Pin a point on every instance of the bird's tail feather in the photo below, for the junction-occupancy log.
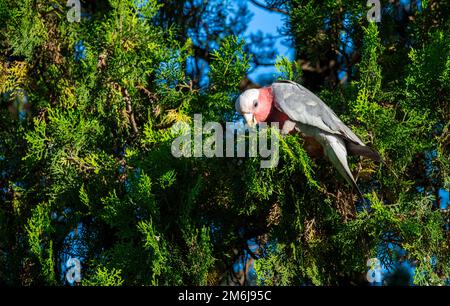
(336, 151)
(356, 149)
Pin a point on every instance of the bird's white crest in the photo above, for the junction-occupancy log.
(244, 103)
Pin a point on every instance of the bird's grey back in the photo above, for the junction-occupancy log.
(302, 106)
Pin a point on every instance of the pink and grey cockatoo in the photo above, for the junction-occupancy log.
(296, 108)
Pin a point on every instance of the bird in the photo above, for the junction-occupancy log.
(297, 109)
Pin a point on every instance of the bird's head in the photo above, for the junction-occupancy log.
(255, 105)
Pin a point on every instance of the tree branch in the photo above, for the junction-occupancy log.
(272, 9)
(130, 111)
(79, 163)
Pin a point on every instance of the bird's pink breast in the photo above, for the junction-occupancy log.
(265, 102)
(313, 148)
(277, 116)
(269, 112)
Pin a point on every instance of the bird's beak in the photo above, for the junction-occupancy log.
(250, 119)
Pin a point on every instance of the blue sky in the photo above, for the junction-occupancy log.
(268, 23)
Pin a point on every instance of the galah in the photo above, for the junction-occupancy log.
(298, 109)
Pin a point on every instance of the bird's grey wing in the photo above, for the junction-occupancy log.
(335, 149)
(302, 106)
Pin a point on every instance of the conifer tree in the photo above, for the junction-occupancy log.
(86, 169)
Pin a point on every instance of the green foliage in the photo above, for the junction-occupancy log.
(273, 269)
(26, 30)
(38, 228)
(290, 70)
(104, 277)
(158, 254)
(370, 78)
(227, 66)
(296, 158)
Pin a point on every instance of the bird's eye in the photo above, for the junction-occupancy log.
(255, 103)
